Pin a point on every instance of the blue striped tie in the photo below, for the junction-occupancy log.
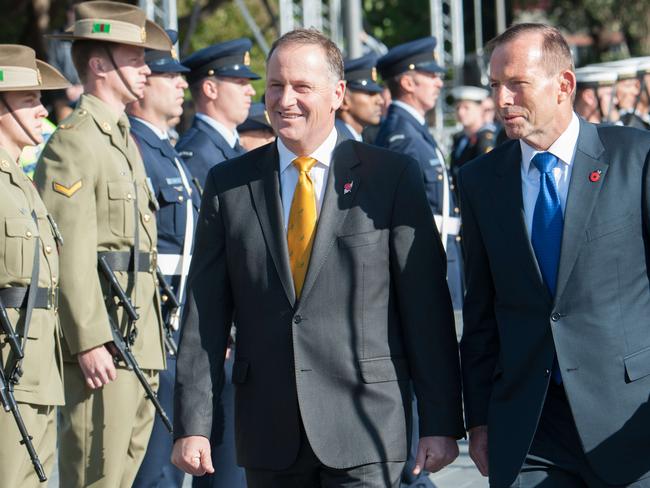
(548, 222)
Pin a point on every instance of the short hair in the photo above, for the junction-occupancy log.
(81, 53)
(314, 37)
(555, 50)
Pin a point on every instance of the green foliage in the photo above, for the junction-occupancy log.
(397, 21)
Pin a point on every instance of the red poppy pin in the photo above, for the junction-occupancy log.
(594, 176)
(347, 188)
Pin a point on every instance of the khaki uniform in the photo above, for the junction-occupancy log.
(41, 387)
(87, 176)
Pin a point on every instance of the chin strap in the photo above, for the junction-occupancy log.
(119, 72)
(18, 121)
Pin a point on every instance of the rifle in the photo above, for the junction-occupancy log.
(123, 346)
(7, 393)
(168, 295)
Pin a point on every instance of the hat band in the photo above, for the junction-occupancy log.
(18, 76)
(111, 30)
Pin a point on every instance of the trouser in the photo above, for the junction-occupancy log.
(16, 468)
(227, 474)
(556, 458)
(104, 433)
(308, 471)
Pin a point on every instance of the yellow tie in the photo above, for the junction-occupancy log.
(302, 222)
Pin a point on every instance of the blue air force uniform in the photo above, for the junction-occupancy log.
(203, 145)
(177, 199)
(401, 131)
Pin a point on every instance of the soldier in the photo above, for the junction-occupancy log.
(628, 91)
(414, 78)
(256, 130)
(220, 82)
(362, 104)
(92, 179)
(179, 202)
(29, 258)
(594, 100)
(477, 137)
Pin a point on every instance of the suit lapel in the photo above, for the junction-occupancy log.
(581, 199)
(509, 211)
(342, 186)
(268, 205)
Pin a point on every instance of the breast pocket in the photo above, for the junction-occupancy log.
(20, 240)
(121, 201)
(171, 216)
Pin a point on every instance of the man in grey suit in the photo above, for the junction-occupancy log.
(331, 266)
(556, 343)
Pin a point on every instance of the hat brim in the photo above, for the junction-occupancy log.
(51, 79)
(156, 38)
(430, 67)
(168, 68)
(370, 87)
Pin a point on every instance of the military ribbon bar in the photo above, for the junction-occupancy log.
(103, 28)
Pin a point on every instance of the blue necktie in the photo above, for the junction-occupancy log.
(547, 228)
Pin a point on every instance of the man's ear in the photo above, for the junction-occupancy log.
(345, 105)
(98, 66)
(209, 89)
(567, 85)
(339, 95)
(406, 83)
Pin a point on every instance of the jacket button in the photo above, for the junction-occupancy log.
(547, 373)
(48, 249)
(555, 316)
(147, 217)
(297, 319)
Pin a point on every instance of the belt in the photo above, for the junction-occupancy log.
(452, 224)
(170, 264)
(16, 297)
(123, 260)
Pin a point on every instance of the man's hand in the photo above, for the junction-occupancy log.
(434, 453)
(192, 455)
(478, 448)
(97, 366)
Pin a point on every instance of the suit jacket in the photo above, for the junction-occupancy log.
(374, 315)
(202, 147)
(597, 322)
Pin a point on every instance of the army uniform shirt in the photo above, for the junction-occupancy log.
(90, 175)
(41, 383)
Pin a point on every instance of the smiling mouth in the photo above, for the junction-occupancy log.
(289, 116)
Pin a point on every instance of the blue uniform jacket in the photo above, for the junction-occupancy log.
(158, 156)
(402, 133)
(202, 147)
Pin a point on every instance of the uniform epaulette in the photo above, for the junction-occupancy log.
(74, 119)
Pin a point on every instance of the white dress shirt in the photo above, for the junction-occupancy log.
(417, 115)
(161, 135)
(231, 136)
(564, 148)
(318, 174)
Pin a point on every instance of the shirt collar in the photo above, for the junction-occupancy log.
(354, 133)
(322, 154)
(563, 148)
(231, 136)
(410, 110)
(160, 134)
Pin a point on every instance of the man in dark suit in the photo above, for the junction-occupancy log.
(414, 78)
(334, 273)
(556, 341)
(220, 82)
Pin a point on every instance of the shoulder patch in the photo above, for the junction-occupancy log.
(67, 191)
(396, 137)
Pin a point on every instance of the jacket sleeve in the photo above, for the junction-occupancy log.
(479, 346)
(419, 274)
(66, 180)
(206, 323)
